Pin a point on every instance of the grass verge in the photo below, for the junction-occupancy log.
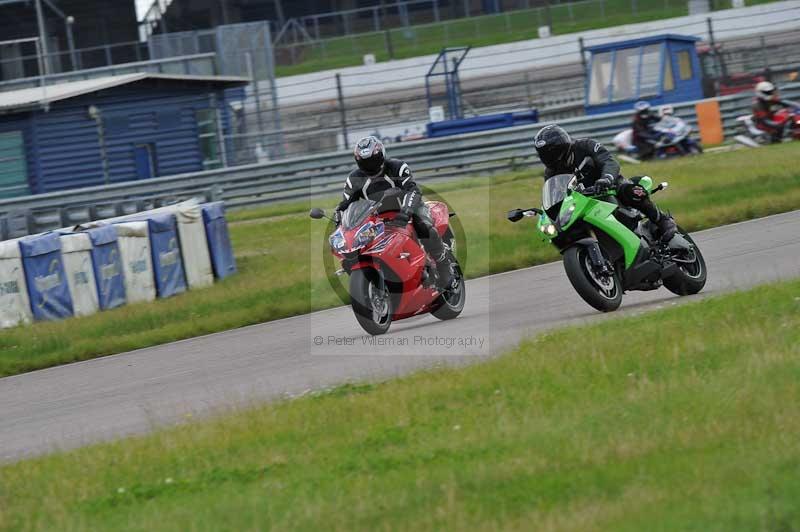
(274, 251)
(689, 423)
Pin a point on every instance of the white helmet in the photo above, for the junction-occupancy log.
(666, 110)
(765, 90)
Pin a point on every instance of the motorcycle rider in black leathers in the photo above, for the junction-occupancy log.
(376, 174)
(562, 155)
(644, 134)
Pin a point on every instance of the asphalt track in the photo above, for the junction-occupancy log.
(77, 404)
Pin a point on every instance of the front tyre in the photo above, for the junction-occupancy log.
(691, 275)
(602, 293)
(371, 301)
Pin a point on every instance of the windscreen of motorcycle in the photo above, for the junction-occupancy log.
(555, 190)
(356, 213)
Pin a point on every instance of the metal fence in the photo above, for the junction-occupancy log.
(386, 37)
(327, 112)
(320, 174)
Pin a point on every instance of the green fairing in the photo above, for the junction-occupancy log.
(600, 214)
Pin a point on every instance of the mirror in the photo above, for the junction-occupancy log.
(515, 215)
(317, 213)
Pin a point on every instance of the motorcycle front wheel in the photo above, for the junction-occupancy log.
(371, 301)
(602, 293)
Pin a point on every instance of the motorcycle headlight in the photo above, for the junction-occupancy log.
(337, 240)
(549, 229)
(366, 234)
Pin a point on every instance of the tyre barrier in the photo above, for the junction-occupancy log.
(114, 262)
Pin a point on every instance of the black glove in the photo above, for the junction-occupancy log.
(401, 218)
(337, 216)
(603, 184)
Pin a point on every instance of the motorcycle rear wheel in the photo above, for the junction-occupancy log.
(604, 295)
(691, 277)
(450, 304)
(371, 301)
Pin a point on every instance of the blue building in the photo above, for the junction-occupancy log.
(660, 69)
(113, 129)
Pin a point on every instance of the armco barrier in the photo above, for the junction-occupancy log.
(219, 240)
(76, 249)
(321, 174)
(166, 251)
(133, 239)
(15, 305)
(108, 271)
(44, 273)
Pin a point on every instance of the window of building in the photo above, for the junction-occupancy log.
(208, 133)
(601, 77)
(626, 66)
(669, 81)
(684, 65)
(13, 167)
(650, 68)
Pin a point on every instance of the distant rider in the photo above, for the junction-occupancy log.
(644, 134)
(375, 175)
(765, 104)
(562, 155)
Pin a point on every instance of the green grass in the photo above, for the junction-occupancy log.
(274, 253)
(484, 30)
(690, 423)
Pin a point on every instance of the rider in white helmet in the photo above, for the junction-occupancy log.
(765, 104)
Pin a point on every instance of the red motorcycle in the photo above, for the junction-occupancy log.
(391, 275)
(751, 135)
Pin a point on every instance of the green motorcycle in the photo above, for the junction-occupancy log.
(609, 249)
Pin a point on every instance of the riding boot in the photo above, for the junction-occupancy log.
(435, 248)
(666, 226)
(662, 220)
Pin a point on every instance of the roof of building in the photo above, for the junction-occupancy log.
(36, 97)
(634, 43)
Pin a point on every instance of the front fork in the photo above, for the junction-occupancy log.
(599, 262)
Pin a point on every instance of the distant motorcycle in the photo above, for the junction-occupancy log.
(391, 275)
(674, 139)
(750, 135)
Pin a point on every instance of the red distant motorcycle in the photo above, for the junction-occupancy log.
(751, 135)
(391, 275)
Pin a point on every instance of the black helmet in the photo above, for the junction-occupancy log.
(643, 109)
(553, 145)
(370, 155)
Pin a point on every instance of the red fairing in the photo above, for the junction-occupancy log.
(398, 256)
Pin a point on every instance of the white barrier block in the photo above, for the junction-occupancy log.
(137, 262)
(76, 250)
(15, 305)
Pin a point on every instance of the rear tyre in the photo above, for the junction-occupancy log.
(604, 294)
(371, 301)
(450, 304)
(691, 275)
